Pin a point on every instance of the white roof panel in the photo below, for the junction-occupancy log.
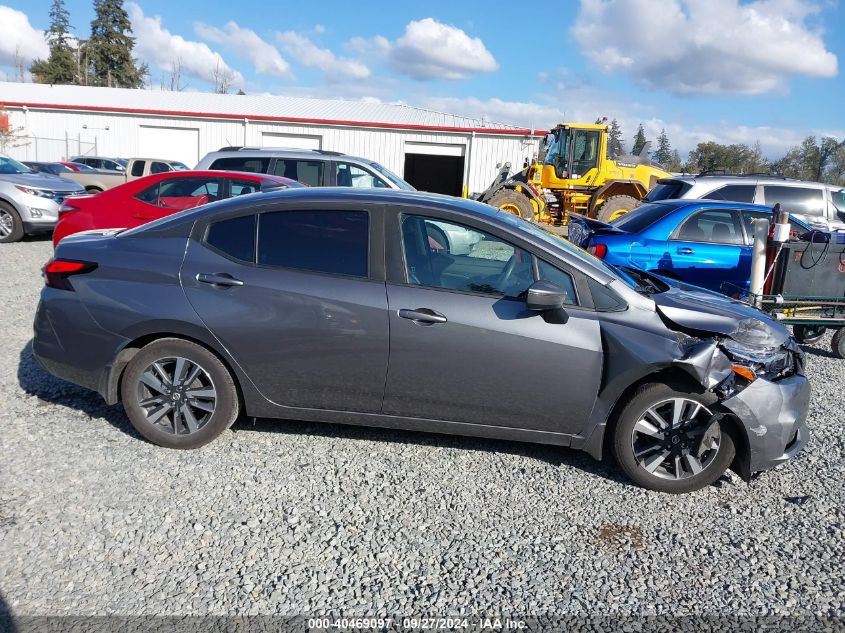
(305, 109)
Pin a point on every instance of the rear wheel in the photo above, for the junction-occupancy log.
(178, 394)
(667, 439)
(513, 202)
(838, 343)
(615, 207)
(11, 226)
(808, 333)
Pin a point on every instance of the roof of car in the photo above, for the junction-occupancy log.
(290, 152)
(738, 178)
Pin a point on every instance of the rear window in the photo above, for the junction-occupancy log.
(138, 168)
(234, 237)
(733, 193)
(256, 164)
(668, 190)
(335, 242)
(642, 217)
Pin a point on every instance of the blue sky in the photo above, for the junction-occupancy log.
(723, 70)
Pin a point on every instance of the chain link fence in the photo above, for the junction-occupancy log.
(41, 148)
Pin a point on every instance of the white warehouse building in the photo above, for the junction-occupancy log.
(434, 151)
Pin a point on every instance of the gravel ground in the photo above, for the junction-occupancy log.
(295, 518)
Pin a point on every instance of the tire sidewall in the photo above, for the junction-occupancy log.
(526, 209)
(227, 406)
(838, 343)
(615, 203)
(645, 397)
(17, 225)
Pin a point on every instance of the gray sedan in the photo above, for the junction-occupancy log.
(347, 306)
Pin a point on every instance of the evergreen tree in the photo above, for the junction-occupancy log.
(663, 153)
(615, 145)
(639, 140)
(60, 66)
(110, 47)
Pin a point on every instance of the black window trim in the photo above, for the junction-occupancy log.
(372, 241)
(674, 237)
(574, 274)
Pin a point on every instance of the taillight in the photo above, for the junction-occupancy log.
(598, 250)
(57, 272)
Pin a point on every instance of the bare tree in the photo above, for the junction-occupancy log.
(224, 79)
(20, 66)
(9, 136)
(176, 84)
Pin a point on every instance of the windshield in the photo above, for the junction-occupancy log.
(122, 162)
(396, 180)
(177, 166)
(11, 166)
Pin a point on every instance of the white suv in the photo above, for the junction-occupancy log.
(819, 205)
(29, 200)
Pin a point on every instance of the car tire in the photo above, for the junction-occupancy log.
(197, 411)
(513, 202)
(837, 345)
(616, 206)
(808, 333)
(694, 455)
(11, 226)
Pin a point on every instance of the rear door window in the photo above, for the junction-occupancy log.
(733, 193)
(234, 237)
(335, 242)
(159, 168)
(138, 168)
(255, 164)
(182, 193)
(799, 200)
(308, 172)
(714, 226)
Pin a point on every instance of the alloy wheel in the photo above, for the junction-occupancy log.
(176, 395)
(676, 439)
(7, 223)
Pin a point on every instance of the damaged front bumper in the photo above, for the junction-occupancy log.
(774, 416)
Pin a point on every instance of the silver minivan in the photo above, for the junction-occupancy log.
(819, 205)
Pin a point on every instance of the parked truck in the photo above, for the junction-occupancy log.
(136, 168)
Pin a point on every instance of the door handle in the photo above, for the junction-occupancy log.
(422, 316)
(218, 279)
(685, 251)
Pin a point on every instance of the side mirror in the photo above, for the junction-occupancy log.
(544, 295)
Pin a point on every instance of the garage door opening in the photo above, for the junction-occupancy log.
(437, 174)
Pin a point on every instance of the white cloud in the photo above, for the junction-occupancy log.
(159, 47)
(247, 43)
(704, 46)
(309, 54)
(18, 39)
(432, 50)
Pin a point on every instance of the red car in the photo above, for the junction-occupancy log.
(146, 199)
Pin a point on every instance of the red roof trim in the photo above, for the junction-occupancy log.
(210, 115)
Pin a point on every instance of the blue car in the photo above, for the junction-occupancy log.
(701, 242)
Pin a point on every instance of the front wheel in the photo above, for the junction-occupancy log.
(11, 226)
(668, 440)
(178, 394)
(615, 207)
(514, 203)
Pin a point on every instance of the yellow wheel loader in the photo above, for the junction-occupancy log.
(574, 175)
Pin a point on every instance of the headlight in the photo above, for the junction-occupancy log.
(755, 361)
(41, 193)
(756, 335)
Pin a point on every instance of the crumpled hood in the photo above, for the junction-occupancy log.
(42, 181)
(698, 309)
